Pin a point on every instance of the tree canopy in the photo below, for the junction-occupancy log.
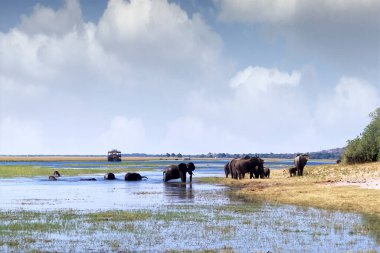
(365, 147)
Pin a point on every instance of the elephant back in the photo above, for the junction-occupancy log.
(171, 172)
(300, 161)
(109, 176)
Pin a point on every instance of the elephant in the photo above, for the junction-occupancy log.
(338, 161)
(87, 179)
(227, 170)
(52, 178)
(292, 171)
(300, 162)
(56, 173)
(252, 165)
(266, 172)
(132, 176)
(109, 176)
(178, 171)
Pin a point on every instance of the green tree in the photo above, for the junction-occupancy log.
(365, 147)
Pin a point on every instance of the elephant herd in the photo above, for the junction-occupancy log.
(170, 172)
(238, 167)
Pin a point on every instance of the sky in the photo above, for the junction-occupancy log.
(157, 76)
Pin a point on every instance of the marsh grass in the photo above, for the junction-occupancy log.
(126, 230)
(119, 216)
(32, 171)
(317, 188)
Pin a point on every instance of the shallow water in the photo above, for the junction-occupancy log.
(218, 220)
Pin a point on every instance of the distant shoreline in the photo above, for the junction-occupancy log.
(98, 158)
(51, 158)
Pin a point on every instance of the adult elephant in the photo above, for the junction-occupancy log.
(133, 176)
(300, 162)
(178, 171)
(252, 165)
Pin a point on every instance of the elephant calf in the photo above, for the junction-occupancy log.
(109, 176)
(266, 172)
(132, 176)
(293, 171)
(52, 178)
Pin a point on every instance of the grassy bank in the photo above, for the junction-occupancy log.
(334, 187)
(32, 171)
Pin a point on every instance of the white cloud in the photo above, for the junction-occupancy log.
(193, 135)
(339, 32)
(55, 63)
(159, 35)
(45, 20)
(272, 111)
(20, 136)
(263, 79)
(128, 135)
(348, 106)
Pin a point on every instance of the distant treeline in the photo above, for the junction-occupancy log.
(324, 154)
(365, 147)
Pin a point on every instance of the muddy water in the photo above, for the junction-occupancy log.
(218, 221)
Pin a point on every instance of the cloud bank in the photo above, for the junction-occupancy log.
(149, 77)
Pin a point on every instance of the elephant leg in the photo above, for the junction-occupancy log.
(250, 175)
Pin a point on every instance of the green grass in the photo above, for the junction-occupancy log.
(119, 216)
(317, 188)
(33, 171)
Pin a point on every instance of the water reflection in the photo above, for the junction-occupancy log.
(372, 224)
(179, 190)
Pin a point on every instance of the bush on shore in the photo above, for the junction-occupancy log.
(365, 147)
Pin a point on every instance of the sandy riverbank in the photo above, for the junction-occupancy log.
(338, 187)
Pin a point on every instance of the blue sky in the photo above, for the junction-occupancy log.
(82, 77)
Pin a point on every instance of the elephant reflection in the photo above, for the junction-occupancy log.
(179, 190)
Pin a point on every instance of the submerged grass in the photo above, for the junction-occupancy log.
(7, 171)
(147, 230)
(319, 187)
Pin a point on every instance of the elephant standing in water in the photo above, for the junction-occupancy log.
(252, 165)
(300, 162)
(178, 171)
(133, 176)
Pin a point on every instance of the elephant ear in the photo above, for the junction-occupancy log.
(190, 167)
(182, 167)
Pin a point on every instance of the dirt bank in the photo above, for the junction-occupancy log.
(339, 187)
